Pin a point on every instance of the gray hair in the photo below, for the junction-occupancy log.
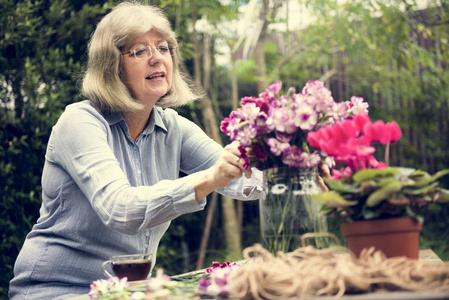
(102, 83)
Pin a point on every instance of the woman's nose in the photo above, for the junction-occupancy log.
(156, 56)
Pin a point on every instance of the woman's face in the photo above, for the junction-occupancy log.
(147, 73)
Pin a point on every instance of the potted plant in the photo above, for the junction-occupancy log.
(373, 200)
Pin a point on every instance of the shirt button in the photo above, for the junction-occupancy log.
(135, 148)
(147, 233)
(146, 246)
(139, 172)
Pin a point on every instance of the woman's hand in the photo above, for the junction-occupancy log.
(229, 166)
(324, 172)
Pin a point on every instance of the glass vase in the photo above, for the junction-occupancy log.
(287, 211)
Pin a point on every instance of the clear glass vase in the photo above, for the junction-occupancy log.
(287, 211)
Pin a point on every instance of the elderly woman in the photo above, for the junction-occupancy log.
(111, 176)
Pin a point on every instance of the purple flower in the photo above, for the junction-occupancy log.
(246, 100)
(318, 96)
(306, 117)
(274, 88)
(217, 283)
(261, 124)
(293, 156)
(203, 283)
(245, 135)
(277, 147)
(248, 112)
(310, 161)
(282, 119)
(283, 137)
(339, 111)
(224, 125)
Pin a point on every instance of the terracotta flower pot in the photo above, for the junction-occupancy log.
(394, 236)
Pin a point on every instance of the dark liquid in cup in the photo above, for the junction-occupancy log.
(134, 270)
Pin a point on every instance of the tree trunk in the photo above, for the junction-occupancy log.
(261, 70)
(234, 83)
(206, 232)
(233, 240)
(235, 103)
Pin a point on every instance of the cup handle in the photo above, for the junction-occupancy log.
(105, 266)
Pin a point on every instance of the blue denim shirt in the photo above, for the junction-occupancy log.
(105, 194)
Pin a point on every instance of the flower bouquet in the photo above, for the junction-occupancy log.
(272, 128)
(272, 131)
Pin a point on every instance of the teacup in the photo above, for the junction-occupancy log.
(133, 266)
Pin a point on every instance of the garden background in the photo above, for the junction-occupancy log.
(393, 53)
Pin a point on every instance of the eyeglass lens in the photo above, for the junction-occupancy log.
(142, 52)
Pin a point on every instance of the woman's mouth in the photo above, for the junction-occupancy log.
(155, 76)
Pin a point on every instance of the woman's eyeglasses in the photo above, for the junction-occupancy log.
(146, 52)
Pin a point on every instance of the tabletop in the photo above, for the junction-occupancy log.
(424, 255)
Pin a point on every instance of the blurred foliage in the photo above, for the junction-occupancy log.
(42, 46)
(372, 45)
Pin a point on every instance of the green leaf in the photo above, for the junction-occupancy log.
(444, 196)
(332, 199)
(367, 174)
(383, 193)
(369, 214)
(337, 185)
(420, 191)
(432, 178)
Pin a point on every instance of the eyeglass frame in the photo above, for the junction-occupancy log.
(133, 51)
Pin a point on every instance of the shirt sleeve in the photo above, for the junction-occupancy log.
(245, 188)
(79, 145)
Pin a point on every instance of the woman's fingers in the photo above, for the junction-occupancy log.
(324, 170)
(323, 186)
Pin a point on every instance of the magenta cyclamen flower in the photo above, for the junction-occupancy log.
(350, 141)
(272, 128)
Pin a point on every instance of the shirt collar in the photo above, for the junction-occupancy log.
(155, 119)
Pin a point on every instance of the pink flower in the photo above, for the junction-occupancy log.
(224, 125)
(336, 174)
(339, 111)
(277, 147)
(274, 88)
(357, 106)
(283, 120)
(318, 96)
(382, 133)
(244, 156)
(293, 156)
(393, 131)
(246, 100)
(306, 117)
(349, 141)
(217, 284)
(360, 120)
